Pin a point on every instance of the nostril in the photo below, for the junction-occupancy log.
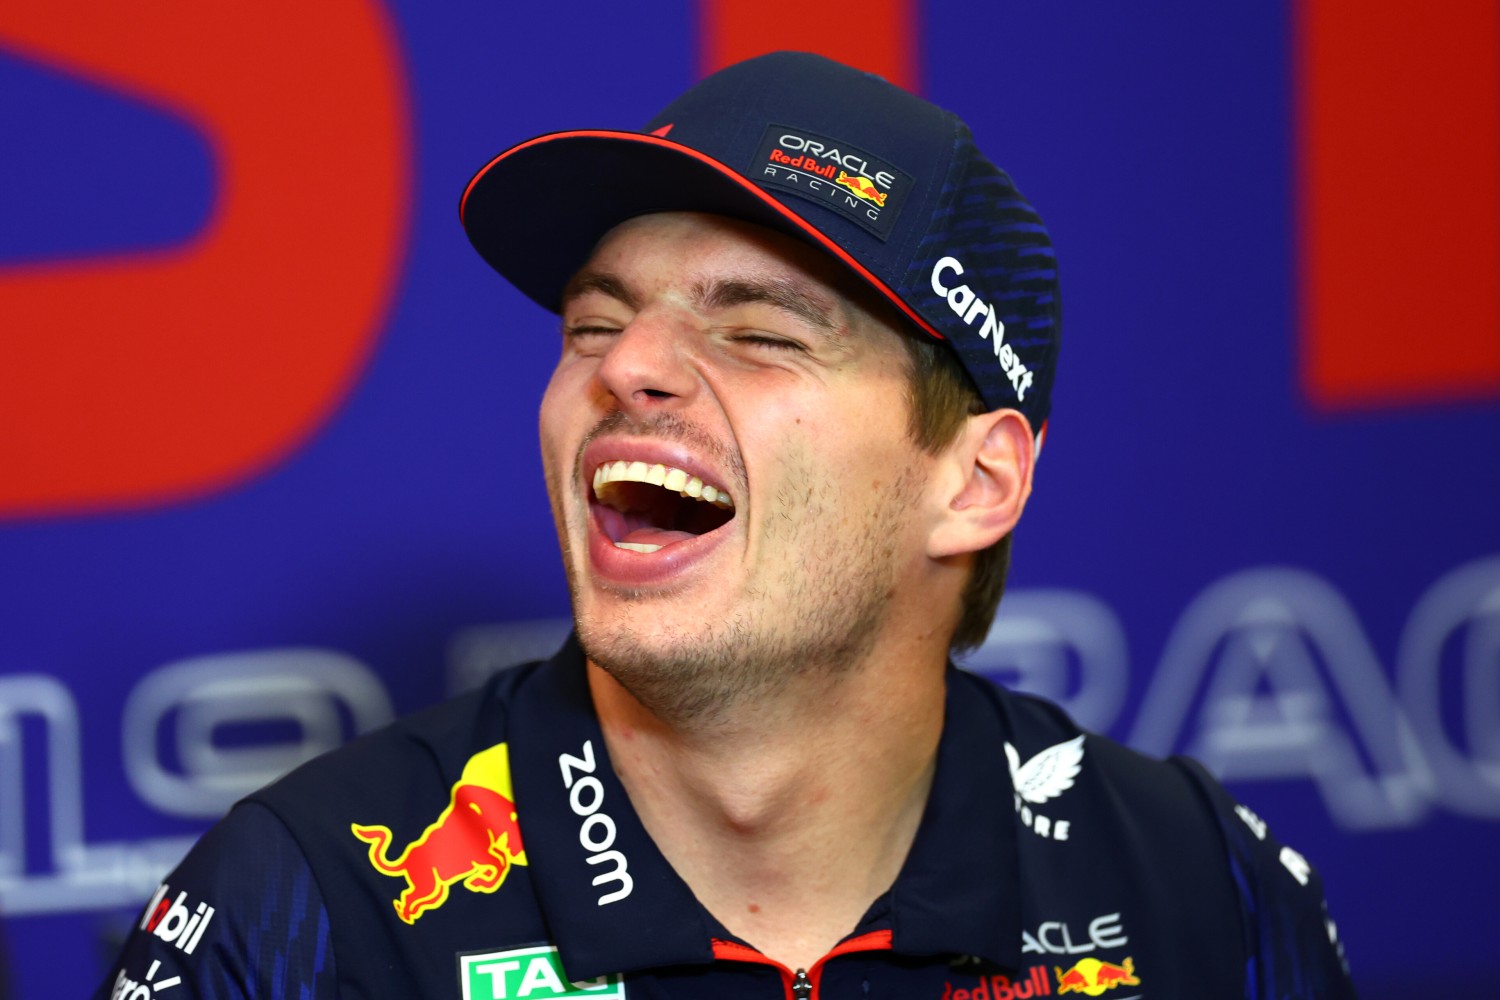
(657, 393)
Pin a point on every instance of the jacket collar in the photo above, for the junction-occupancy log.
(960, 889)
(612, 903)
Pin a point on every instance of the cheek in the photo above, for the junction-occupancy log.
(861, 427)
(560, 411)
(774, 433)
(550, 446)
(565, 398)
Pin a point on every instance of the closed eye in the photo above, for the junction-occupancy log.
(761, 340)
(586, 329)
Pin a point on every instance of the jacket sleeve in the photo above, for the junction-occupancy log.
(240, 917)
(1292, 944)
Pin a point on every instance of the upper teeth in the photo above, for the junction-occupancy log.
(659, 475)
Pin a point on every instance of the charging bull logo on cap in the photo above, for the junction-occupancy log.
(856, 184)
(862, 187)
(474, 840)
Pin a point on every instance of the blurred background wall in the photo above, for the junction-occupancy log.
(268, 471)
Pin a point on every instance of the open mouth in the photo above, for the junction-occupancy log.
(644, 508)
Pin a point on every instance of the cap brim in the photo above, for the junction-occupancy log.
(536, 211)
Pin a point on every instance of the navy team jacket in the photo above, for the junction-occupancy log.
(485, 849)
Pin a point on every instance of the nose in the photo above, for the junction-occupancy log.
(649, 364)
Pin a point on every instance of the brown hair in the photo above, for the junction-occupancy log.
(942, 399)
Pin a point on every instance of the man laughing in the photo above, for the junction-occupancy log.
(808, 341)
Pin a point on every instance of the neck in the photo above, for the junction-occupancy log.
(815, 796)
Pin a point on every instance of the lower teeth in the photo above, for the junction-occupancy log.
(637, 546)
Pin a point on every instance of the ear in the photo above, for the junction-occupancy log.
(987, 481)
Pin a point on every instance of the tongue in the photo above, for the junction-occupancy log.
(656, 536)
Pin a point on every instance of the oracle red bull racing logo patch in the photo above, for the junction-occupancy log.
(475, 839)
(1092, 977)
(853, 182)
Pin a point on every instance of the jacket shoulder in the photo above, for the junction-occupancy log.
(430, 746)
(1159, 793)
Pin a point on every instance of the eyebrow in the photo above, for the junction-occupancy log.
(783, 295)
(602, 282)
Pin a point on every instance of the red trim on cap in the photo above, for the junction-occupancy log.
(728, 174)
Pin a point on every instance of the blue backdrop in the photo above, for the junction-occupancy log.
(1306, 597)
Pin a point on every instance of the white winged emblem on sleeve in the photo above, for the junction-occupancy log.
(1049, 773)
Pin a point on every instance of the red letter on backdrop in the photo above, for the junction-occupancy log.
(1399, 136)
(883, 39)
(145, 378)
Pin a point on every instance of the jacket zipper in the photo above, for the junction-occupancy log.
(802, 984)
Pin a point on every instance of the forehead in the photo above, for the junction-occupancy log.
(691, 249)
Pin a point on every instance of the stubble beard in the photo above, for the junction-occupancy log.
(808, 628)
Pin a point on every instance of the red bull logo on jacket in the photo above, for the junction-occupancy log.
(1092, 977)
(474, 840)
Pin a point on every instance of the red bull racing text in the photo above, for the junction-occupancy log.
(475, 839)
(1002, 987)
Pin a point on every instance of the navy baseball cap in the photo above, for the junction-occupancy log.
(888, 184)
